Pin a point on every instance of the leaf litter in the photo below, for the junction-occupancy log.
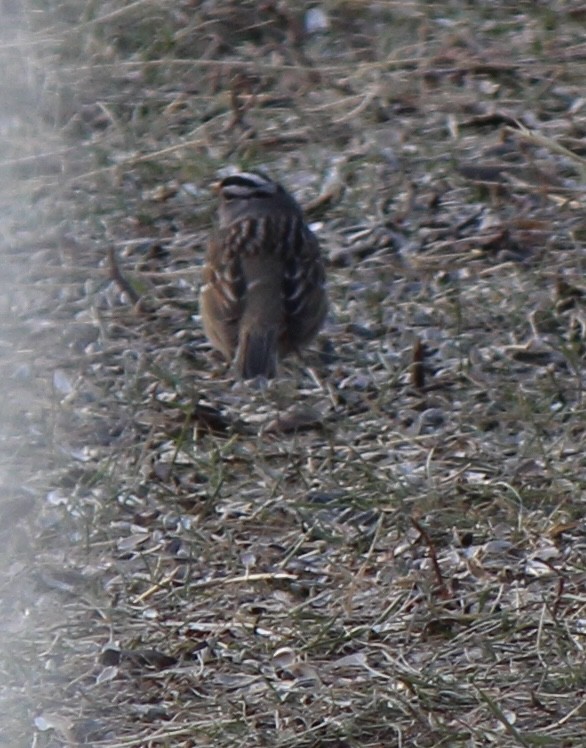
(386, 545)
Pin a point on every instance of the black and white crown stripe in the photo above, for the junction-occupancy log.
(247, 184)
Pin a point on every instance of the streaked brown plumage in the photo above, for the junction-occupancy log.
(264, 280)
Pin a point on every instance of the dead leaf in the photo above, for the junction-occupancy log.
(299, 417)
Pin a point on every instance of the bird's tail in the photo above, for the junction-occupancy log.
(257, 352)
(262, 319)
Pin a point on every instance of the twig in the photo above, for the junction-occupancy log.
(122, 282)
(433, 555)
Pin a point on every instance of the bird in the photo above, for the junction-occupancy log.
(263, 294)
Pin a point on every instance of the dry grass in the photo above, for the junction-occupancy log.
(386, 547)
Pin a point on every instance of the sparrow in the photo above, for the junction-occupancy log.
(263, 293)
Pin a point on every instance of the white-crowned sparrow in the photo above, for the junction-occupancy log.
(264, 279)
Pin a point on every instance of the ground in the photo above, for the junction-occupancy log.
(384, 547)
